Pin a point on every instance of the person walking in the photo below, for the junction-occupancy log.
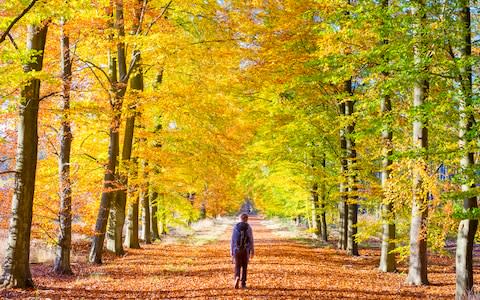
(241, 249)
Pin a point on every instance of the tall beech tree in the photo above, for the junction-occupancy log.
(117, 211)
(118, 88)
(136, 85)
(64, 244)
(131, 236)
(16, 264)
(343, 185)
(145, 202)
(417, 266)
(387, 257)
(467, 227)
(352, 211)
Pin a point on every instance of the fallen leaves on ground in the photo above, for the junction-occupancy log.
(281, 269)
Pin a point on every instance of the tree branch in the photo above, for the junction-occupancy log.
(7, 172)
(7, 31)
(12, 41)
(130, 69)
(214, 41)
(91, 65)
(158, 17)
(142, 16)
(49, 95)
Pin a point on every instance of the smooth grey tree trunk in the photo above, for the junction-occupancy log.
(343, 188)
(352, 245)
(131, 238)
(155, 235)
(109, 181)
(315, 224)
(153, 216)
(16, 264)
(64, 244)
(387, 257)
(467, 228)
(145, 201)
(109, 186)
(117, 213)
(417, 267)
(323, 213)
(136, 84)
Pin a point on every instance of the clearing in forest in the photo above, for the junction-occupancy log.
(281, 269)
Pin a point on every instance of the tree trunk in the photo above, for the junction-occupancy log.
(162, 215)
(417, 269)
(387, 257)
(109, 186)
(323, 213)
(467, 228)
(62, 258)
(117, 214)
(343, 207)
(16, 265)
(315, 225)
(352, 245)
(153, 216)
(145, 200)
(131, 238)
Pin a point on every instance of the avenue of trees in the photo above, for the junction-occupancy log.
(357, 118)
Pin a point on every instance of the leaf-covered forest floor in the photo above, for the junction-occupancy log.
(281, 269)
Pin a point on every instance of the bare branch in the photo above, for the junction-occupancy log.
(7, 172)
(5, 159)
(12, 41)
(158, 17)
(92, 65)
(214, 41)
(49, 95)
(7, 31)
(91, 157)
(130, 70)
(142, 16)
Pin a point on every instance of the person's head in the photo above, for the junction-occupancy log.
(244, 218)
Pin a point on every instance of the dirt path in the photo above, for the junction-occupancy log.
(281, 269)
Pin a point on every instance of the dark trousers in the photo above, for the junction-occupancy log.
(241, 262)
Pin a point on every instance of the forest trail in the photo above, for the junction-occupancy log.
(281, 269)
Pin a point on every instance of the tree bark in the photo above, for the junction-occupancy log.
(153, 216)
(417, 269)
(467, 228)
(109, 185)
(343, 189)
(352, 245)
(136, 84)
(315, 225)
(62, 258)
(162, 215)
(131, 238)
(145, 200)
(323, 213)
(16, 265)
(117, 213)
(387, 257)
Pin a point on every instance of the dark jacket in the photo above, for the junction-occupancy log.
(236, 237)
